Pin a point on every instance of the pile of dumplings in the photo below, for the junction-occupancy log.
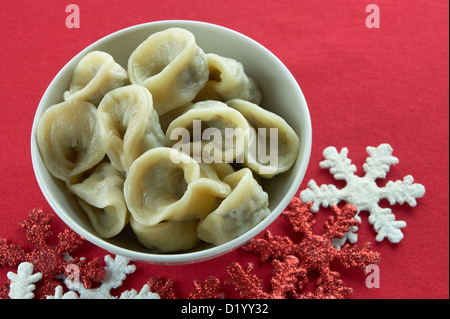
(109, 142)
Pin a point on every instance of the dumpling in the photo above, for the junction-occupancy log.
(128, 124)
(228, 80)
(68, 139)
(95, 75)
(171, 66)
(166, 184)
(225, 128)
(167, 236)
(101, 197)
(240, 211)
(274, 147)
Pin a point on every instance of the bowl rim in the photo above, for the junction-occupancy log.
(188, 257)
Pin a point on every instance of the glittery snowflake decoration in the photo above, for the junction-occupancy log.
(294, 262)
(116, 271)
(208, 289)
(163, 287)
(47, 260)
(363, 192)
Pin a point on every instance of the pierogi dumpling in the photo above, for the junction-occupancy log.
(95, 75)
(101, 197)
(241, 210)
(68, 139)
(167, 236)
(164, 184)
(280, 153)
(128, 124)
(228, 80)
(225, 128)
(171, 66)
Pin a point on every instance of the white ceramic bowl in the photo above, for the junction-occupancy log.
(281, 95)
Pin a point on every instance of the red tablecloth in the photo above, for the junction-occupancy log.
(364, 86)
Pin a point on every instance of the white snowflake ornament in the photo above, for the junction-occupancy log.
(363, 192)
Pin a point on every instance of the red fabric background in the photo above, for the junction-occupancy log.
(364, 87)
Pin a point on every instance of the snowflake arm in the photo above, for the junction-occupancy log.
(209, 289)
(287, 277)
(164, 288)
(247, 284)
(299, 216)
(59, 294)
(379, 161)
(325, 195)
(271, 246)
(22, 283)
(144, 293)
(339, 164)
(68, 241)
(351, 256)
(403, 191)
(10, 254)
(117, 270)
(330, 286)
(385, 225)
(37, 227)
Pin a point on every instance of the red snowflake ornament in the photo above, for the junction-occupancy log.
(164, 288)
(48, 260)
(209, 289)
(293, 262)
